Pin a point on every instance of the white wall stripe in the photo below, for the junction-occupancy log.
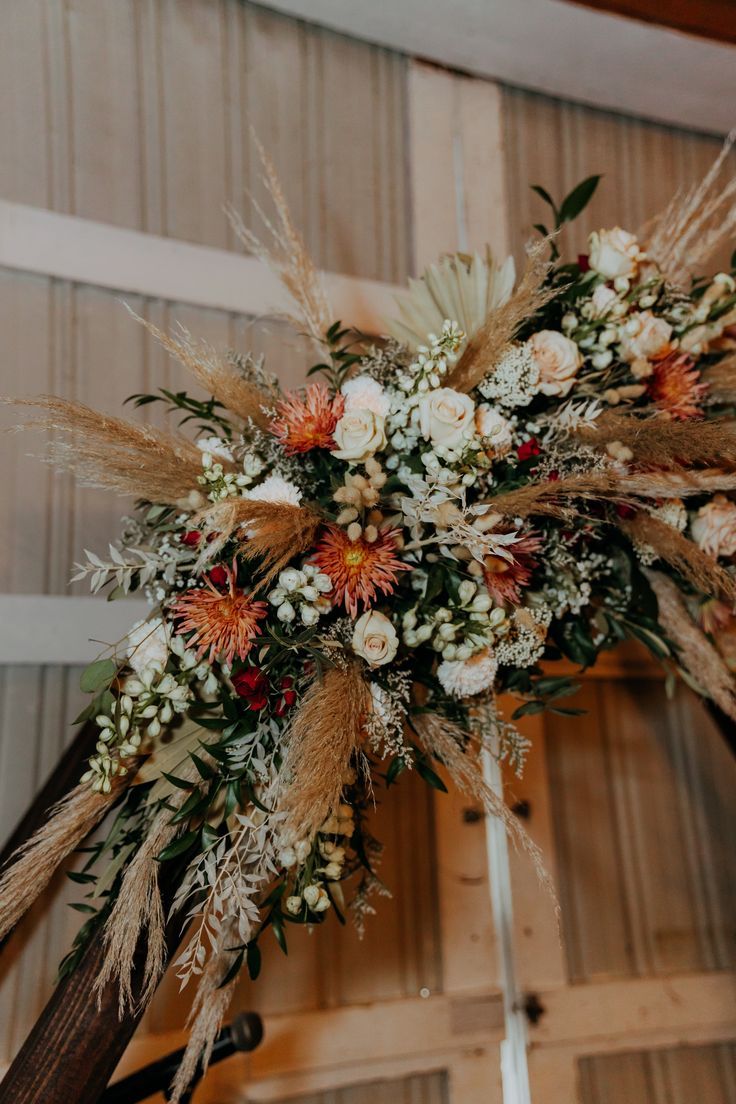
(68, 631)
(83, 251)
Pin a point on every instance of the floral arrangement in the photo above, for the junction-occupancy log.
(344, 579)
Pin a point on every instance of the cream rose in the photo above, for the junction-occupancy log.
(446, 417)
(714, 527)
(602, 300)
(614, 253)
(148, 645)
(365, 393)
(558, 359)
(358, 435)
(644, 336)
(491, 424)
(375, 639)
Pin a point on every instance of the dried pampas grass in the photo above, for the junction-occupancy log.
(288, 257)
(326, 731)
(552, 497)
(492, 339)
(274, 532)
(660, 441)
(721, 379)
(31, 868)
(108, 452)
(461, 754)
(682, 554)
(138, 908)
(695, 224)
(696, 654)
(218, 378)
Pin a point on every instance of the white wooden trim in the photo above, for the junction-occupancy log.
(81, 250)
(70, 631)
(563, 49)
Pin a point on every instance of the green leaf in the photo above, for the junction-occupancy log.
(98, 675)
(528, 709)
(233, 971)
(178, 847)
(79, 907)
(253, 960)
(396, 767)
(82, 879)
(180, 783)
(429, 776)
(205, 770)
(278, 931)
(544, 194)
(578, 199)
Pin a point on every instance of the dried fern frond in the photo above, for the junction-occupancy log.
(273, 532)
(460, 752)
(661, 442)
(325, 732)
(682, 554)
(695, 224)
(108, 452)
(31, 868)
(696, 654)
(493, 338)
(218, 378)
(287, 256)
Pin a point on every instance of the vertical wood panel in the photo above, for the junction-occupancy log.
(421, 1089)
(680, 1075)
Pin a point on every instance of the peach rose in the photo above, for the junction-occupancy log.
(491, 424)
(614, 253)
(645, 336)
(558, 359)
(374, 638)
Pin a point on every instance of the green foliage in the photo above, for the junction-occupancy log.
(204, 412)
(571, 206)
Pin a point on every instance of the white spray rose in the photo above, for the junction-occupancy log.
(364, 393)
(558, 359)
(147, 645)
(490, 423)
(358, 435)
(644, 336)
(714, 527)
(614, 253)
(446, 417)
(602, 300)
(375, 639)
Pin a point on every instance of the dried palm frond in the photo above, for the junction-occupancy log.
(218, 377)
(460, 751)
(138, 907)
(682, 554)
(661, 442)
(273, 532)
(31, 868)
(498, 330)
(103, 451)
(695, 224)
(326, 731)
(721, 379)
(465, 289)
(287, 256)
(696, 654)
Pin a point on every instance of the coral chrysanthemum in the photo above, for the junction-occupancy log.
(223, 622)
(675, 387)
(505, 579)
(359, 568)
(307, 422)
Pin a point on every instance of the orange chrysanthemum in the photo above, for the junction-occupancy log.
(224, 622)
(675, 387)
(307, 422)
(360, 568)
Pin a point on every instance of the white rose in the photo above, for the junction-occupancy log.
(558, 359)
(644, 336)
(375, 639)
(714, 527)
(147, 645)
(614, 253)
(446, 417)
(364, 393)
(358, 435)
(492, 424)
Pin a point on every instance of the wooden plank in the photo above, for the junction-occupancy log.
(712, 19)
(87, 252)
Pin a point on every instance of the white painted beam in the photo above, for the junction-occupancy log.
(70, 248)
(71, 631)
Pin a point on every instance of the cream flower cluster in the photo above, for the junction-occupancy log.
(301, 591)
(457, 632)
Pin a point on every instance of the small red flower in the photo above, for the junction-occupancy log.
(288, 696)
(191, 538)
(252, 686)
(527, 449)
(583, 262)
(218, 575)
(624, 510)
